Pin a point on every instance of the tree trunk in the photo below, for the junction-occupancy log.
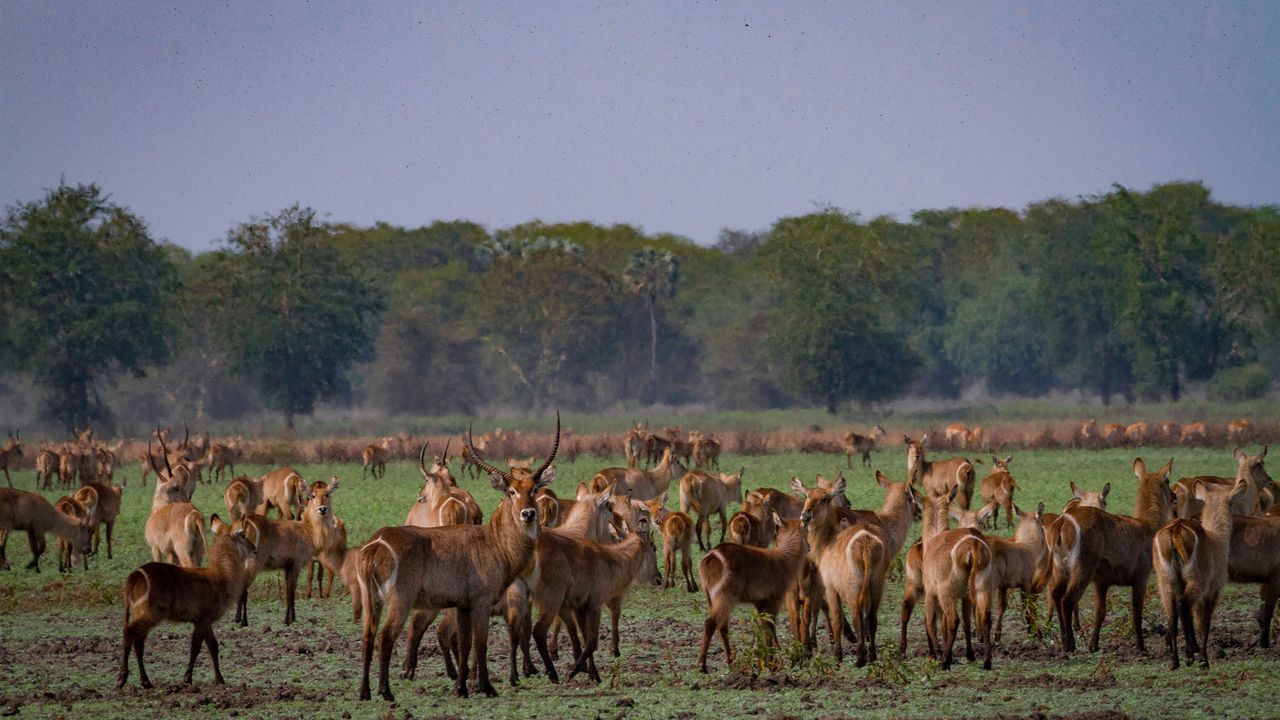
(651, 391)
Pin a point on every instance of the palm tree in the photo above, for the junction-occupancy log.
(653, 274)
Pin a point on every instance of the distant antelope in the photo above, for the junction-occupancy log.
(29, 511)
(104, 500)
(67, 550)
(705, 495)
(10, 454)
(676, 529)
(439, 502)
(283, 489)
(1196, 433)
(48, 464)
(633, 443)
(937, 477)
(223, 455)
(642, 484)
(855, 444)
(956, 435)
(375, 457)
(998, 488)
(1240, 432)
(159, 592)
(706, 451)
(1191, 559)
(1089, 435)
(1113, 434)
(175, 529)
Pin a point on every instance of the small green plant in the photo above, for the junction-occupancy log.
(756, 652)
(615, 672)
(1041, 624)
(1102, 671)
(891, 668)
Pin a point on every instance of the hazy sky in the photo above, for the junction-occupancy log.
(681, 117)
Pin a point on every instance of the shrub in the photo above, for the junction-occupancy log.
(1249, 382)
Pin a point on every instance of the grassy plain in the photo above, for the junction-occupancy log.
(59, 634)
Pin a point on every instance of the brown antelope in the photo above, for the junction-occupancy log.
(745, 528)
(243, 496)
(374, 457)
(105, 502)
(677, 537)
(1190, 559)
(706, 450)
(855, 444)
(1020, 563)
(1187, 506)
(1255, 558)
(998, 488)
(1088, 434)
(106, 465)
(787, 506)
(424, 570)
(513, 607)
(1240, 432)
(283, 489)
(852, 561)
(175, 528)
(654, 446)
(705, 494)
(1170, 432)
(956, 435)
(10, 454)
(223, 455)
(1113, 434)
(159, 592)
(439, 502)
(67, 550)
(1196, 433)
(289, 545)
(331, 555)
(680, 448)
(29, 511)
(957, 567)
(1088, 545)
(633, 443)
(642, 484)
(938, 477)
(193, 453)
(734, 574)
(48, 464)
(1136, 434)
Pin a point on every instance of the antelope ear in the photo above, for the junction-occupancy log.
(581, 491)
(1075, 491)
(1008, 460)
(548, 477)
(881, 480)
(1139, 468)
(797, 487)
(777, 519)
(955, 490)
(498, 482)
(906, 440)
(216, 524)
(1040, 512)
(1263, 453)
(1240, 488)
(606, 497)
(1237, 454)
(838, 487)
(1166, 471)
(664, 499)
(1106, 490)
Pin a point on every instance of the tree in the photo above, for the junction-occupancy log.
(836, 280)
(653, 275)
(297, 316)
(83, 289)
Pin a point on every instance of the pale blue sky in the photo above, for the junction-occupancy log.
(679, 117)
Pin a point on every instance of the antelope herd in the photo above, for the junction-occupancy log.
(542, 562)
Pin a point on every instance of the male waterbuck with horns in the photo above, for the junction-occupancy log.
(409, 571)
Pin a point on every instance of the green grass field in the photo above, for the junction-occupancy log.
(59, 634)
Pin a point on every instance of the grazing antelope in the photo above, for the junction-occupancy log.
(677, 537)
(175, 528)
(938, 477)
(424, 570)
(283, 489)
(159, 592)
(998, 488)
(1088, 545)
(29, 511)
(1190, 559)
(10, 454)
(440, 503)
(956, 435)
(705, 494)
(852, 560)
(957, 567)
(289, 546)
(104, 500)
(374, 457)
(733, 574)
(855, 444)
(641, 484)
(1196, 433)
(67, 550)
(1240, 432)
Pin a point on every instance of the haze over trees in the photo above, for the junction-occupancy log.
(1127, 295)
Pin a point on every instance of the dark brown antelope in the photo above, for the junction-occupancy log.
(1087, 545)
(734, 574)
(937, 477)
(29, 511)
(159, 592)
(425, 570)
(1190, 559)
(223, 455)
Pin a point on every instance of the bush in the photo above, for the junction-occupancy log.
(1249, 382)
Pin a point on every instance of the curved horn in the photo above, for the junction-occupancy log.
(422, 458)
(445, 454)
(165, 451)
(151, 459)
(547, 463)
(186, 434)
(478, 459)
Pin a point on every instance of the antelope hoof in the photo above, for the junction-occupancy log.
(386, 695)
(986, 664)
(147, 684)
(488, 690)
(120, 682)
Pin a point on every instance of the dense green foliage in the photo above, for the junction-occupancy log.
(1129, 294)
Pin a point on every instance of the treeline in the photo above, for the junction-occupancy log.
(1131, 295)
